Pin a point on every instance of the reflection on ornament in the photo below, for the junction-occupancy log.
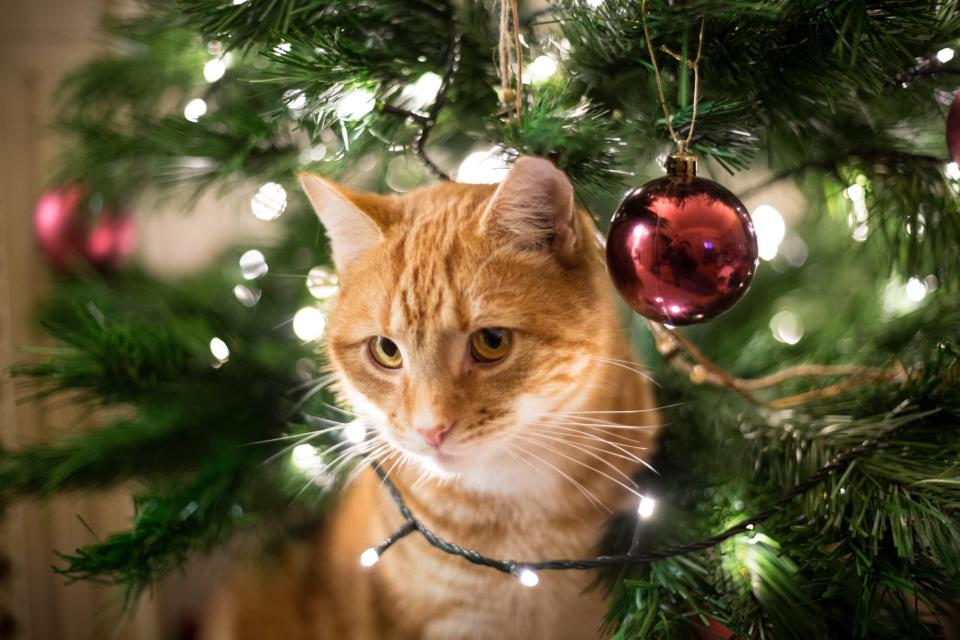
(322, 283)
(857, 220)
(253, 265)
(309, 324)
(269, 201)
(681, 249)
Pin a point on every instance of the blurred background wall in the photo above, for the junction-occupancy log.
(39, 41)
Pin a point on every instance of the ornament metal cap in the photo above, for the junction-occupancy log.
(682, 165)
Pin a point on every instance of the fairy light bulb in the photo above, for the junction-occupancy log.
(195, 109)
(309, 324)
(269, 201)
(214, 69)
(646, 507)
(219, 349)
(369, 557)
(253, 265)
(528, 578)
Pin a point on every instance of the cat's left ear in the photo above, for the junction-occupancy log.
(354, 222)
(534, 208)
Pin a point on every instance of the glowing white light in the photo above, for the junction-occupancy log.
(952, 171)
(900, 298)
(770, 228)
(369, 557)
(195, 109)
(246, 296)
(945, 55)
(423, 91)
(253, 265)
(282, 48)
(857, 221)
(238, 2)
(214, 70)
(593, 4)
(355, 104)
(321, 283)
(916, 289)
(295, 99)
(355, 432)
(309, 324)
(646, 507)
(219, 349)
(529, 578)
(269, 201)
(786, 327)
(483, 167)
(542, 68)
(794, 250)
(306, 457)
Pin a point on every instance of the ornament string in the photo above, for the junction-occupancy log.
(694, 65)
(508, 49)
(634, 556)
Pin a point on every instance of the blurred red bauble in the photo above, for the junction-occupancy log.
(71, 230)
(681, 249)
(953, 129)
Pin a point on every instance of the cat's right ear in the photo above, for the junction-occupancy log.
(351, 230)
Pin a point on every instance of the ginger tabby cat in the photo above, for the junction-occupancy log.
(476, 334)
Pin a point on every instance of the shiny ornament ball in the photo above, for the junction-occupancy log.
(953, 129)
(70, 231)
(681, 249)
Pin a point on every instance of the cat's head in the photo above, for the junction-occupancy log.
(465, 312)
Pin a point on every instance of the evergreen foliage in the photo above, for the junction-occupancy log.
(827, 94)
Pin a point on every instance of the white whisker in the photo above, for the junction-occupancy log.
(622, 365)
(613, 438)
(626, 455)
(611, 411)
(514, 452)
(613, 467)
(584, 464)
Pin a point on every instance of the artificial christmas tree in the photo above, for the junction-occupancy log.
(806, 479)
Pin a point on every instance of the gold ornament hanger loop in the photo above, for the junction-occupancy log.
(682, 144)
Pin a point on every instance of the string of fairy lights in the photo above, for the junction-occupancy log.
(526, 571)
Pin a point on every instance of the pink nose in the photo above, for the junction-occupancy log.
(435, 435)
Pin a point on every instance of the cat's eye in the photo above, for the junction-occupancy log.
(490, 345)
(385, 352)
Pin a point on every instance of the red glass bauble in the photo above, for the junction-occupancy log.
(681, 249)
(69, 230)
(953, 129)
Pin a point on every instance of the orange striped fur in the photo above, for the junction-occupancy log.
(426, 269)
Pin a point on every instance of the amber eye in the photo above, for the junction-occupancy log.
(490, 345)
(385, 352)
